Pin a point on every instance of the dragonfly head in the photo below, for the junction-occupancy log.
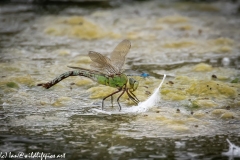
(133, 84)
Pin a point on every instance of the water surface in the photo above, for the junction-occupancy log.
(195, 44)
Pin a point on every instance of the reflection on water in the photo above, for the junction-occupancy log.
(195, 44)
(94, 141)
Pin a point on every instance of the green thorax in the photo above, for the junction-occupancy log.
(116, 81)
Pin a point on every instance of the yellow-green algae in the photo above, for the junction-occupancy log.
(218, 111)
(201, 67)
(8, 68)
(81, 61)
(167, 119)
(173, 19)
(101, 91)
(27, 80)
(223, 113)
(82, 81)
(179, 44)
(13, 82)
(139, 35)
(186, 27)
(211, 88)
(199, 46)
(61, 101)
(199, 114)
(12, 85)
(200, 90)
(222, 41)
(221, 45)
(63, 52)
(76, 26)
(236, 80)
(203, 103)
(178, 128)
(228, 115)
(174, 94)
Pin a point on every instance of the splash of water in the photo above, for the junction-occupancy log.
(234, 151)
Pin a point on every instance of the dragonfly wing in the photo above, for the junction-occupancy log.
(85, 69)
(76, 67)
(119, 53)
(102, 63)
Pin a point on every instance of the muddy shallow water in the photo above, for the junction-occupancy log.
(195, 44)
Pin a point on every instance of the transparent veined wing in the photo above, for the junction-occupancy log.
(119, 53)
(102, 63)
(86, 69)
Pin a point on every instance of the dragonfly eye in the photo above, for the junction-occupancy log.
(133, 84)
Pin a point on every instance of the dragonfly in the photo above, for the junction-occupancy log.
(105, 71)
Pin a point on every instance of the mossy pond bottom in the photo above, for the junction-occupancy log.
(195, 44)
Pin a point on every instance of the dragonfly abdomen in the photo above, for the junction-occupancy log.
(68, 74)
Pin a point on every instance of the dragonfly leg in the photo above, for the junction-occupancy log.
(109, 96)
(132, 97)
(112, 100)
(119, 98)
